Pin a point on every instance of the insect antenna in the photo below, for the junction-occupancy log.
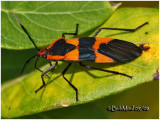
(25, 31)
(27, 63)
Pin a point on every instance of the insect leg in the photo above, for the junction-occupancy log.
(129, 30)
(50, 62)
(63, 73)
(27, 63)
(76, 32)
(49, 69)
(35, 65)
(114, 72)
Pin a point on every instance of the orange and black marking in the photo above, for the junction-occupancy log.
(90, 49)
(93, 49)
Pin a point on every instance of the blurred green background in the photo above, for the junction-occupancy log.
(143, 95)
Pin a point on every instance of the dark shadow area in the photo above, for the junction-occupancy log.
(12, 62)
(151, 4)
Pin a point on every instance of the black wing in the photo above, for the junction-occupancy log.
(86, 53)
(120, 50)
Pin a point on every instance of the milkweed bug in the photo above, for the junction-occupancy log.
(90, 49)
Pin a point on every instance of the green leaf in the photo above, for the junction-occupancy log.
(18, 97)
(47, 20)
(97, 109)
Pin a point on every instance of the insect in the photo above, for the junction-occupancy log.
(90, 49)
